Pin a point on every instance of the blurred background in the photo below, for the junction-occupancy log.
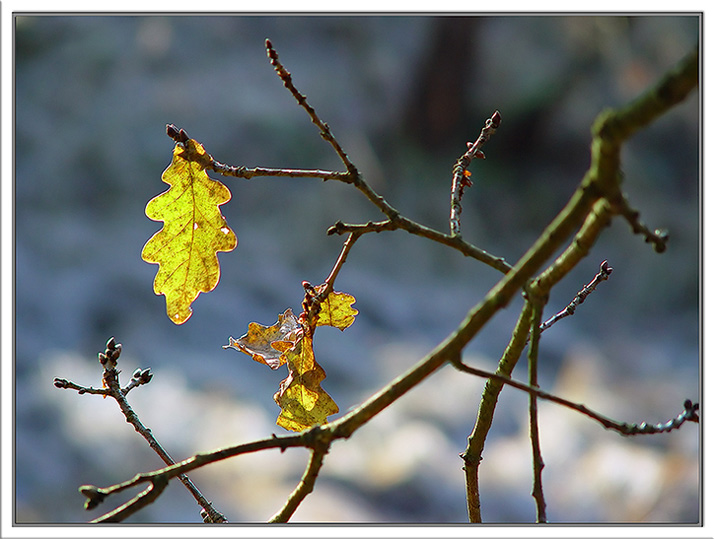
(403, 94)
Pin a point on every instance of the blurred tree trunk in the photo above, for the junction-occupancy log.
(437, 106)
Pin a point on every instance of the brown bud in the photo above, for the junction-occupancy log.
(93, 494)
(172, 131)
(496, 119)
(146, 376)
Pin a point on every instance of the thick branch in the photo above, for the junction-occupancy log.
(598, 195)
(614, 126)
(475, 442)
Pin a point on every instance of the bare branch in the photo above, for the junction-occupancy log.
(537, 305)
(110, 378)
(342, 257)
(460, 174)
(355, 177)
(305, 487)
(658, 237)
(316, 437)
(614, 126)
(689, 413)
(604, 272)
(325, 133)
(476, 441)
(598, 197)
(400, 222)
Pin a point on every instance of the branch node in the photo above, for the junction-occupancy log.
(94, 496)
(178, 135)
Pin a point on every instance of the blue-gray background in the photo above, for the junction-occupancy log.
(403, 95)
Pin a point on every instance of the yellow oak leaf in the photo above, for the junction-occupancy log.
(267, 344)
(194, 231)
(304, 403)
(337, 311)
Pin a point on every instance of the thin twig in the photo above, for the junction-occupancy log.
(416, 229)
(95, 495)
(604, 272)
(460, 174)
(342, 257)
(354, 177)
(325, 133)
(689, 414)
(342, 228)
(537, 492)
(305, 487)
(63, 383)
(108, 359)
(248, 173)
(658, 237)
(141, 500)
(180, 136)
(613, 127)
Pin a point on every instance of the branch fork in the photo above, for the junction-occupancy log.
(589, 211)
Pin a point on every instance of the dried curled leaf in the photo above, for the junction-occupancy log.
(266, 344)
(304, 403)
(194, 231)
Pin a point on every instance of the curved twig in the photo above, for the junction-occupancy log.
(689, 413)
(305, 487)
